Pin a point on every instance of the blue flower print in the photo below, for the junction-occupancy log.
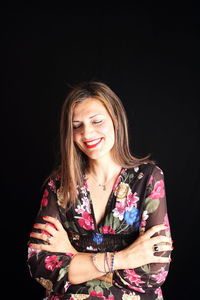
(97, 238)
(131, 216)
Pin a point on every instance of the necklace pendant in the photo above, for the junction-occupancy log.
(103, 186)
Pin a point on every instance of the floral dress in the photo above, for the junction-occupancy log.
(136, 203)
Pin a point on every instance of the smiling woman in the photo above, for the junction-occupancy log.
(95, 134)
(102, 230)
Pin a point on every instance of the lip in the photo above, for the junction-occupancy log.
(94, 145)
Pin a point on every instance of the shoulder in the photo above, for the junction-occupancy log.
(145, 171)
(145, 168)
(150, 168)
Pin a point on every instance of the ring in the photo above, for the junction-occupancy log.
(155, 248)
(48, 239)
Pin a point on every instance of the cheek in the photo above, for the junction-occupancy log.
(109, 133)
(108, 128)
(76, 137)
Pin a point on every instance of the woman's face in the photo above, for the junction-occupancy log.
(93, 130)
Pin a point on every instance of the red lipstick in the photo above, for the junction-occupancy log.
(93, 145)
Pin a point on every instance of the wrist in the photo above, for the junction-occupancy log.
(120, 259)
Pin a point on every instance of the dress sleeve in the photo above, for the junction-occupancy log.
(50, 269)
(149, 278)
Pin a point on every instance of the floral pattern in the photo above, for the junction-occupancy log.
(136, 203)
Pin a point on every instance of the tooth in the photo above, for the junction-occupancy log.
(93, 142)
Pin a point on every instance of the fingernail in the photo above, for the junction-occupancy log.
(170, 259)
(34, 225)
(172, 247)
(30, 245)
(44, 217)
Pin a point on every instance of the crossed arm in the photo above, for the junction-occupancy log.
(82, 269)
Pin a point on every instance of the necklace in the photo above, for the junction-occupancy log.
(103, 186)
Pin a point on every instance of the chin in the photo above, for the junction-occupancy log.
(96, 156)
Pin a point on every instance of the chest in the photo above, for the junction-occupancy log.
(99, 198)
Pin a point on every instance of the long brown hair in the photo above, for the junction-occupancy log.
(73, 162)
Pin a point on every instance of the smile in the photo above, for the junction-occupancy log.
(93, 143)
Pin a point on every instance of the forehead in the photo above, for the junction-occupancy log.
(89, 106)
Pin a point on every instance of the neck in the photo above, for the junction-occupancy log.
(103, 170)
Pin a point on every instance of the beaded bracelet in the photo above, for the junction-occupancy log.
(111, 265)
(112, 262)
(94, 260)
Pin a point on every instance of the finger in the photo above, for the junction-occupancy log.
(46, 227)
(54, 221)
(40, 236)
(162, 248)
(150, 232)
(161, 260)
(42, 247)
(160, 239)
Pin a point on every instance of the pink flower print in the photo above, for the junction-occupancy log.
(32, 252)
(132, 199)
(133, 277)
(66, 286)
(144, 218)
(52, 186)
(86, 221)
(158, 291)
(140, 175)
(86, 203)
(160, 277)
(138, 289)
(44, 201)
(79, 209)
(52, 262)
(119, 210)
(107, 229)
(166, 222)
(100, 295)
(97, 294)
(158, 190)
(150, 180)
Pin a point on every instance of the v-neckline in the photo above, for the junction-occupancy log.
(97, 226)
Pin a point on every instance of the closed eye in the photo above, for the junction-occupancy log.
(96, 122)
(76, 127)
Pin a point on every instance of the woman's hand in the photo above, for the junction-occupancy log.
(141, 252)
(54, 234)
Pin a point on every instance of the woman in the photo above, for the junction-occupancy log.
(102, 230)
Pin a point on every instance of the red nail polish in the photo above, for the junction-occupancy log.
(172, 247)
(34, 225)
(44, 217)
(170, 259)
(30, 245)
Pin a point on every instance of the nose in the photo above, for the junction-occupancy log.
(87, 131)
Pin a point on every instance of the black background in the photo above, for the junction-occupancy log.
(149, 56)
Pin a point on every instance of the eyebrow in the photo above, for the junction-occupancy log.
(89, 117)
